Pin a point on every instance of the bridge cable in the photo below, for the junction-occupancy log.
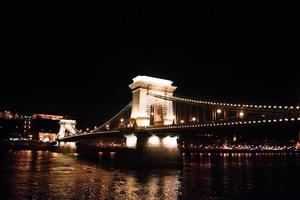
(228, 105)
(114, 117)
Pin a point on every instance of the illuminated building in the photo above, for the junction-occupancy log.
(43, 125)
(46, 116)
(35, 127)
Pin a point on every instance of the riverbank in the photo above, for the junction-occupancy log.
(25, 145)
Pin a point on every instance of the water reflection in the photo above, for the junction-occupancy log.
(44, 175)
(241, 176)
(49, 175)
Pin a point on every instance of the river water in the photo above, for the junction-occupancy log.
(50, 175)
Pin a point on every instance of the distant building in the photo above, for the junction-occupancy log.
(42, 127)
(10, 128)
(6, 115)
(46, 116)
(47, 137)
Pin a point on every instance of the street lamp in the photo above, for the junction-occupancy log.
(241, 114)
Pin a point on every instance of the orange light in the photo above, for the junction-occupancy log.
(241, 114)
(45, 116)
(153, 140)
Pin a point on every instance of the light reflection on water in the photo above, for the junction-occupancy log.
(49, 175)
(44, 175)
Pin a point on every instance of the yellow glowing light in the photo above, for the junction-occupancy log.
(153, 140)
(182, 121)
(219, 111)
(194, 119)
(170, 142)
(112, 154)
(241, 114)
(122, 120)
(131, 140)
(142, 122)
(234, 138)
(152, 113)
(68, 145)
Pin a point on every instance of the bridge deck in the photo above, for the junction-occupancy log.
(181, 127)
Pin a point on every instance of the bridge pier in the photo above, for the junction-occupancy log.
(141, 150)
(158, 150)
(66, 147)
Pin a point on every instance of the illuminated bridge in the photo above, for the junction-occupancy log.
(156, 117)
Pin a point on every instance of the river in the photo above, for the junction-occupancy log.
(50, 175)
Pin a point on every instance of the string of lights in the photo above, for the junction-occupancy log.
(128, 106)
(233, 123)
(89, 133)
(195, 124)
(199, 125)
(231, 105)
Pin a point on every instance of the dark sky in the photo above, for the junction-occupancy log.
(78, 58)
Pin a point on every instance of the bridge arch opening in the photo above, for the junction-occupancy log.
(152, 114)
(156, 115)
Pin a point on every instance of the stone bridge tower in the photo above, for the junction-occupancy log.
(67, 128)
(146, 108)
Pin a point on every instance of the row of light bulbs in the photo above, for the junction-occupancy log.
(107, 131)
(237, 105)
(107, 127)
(241, 114)
(88, 129)
(228, 123)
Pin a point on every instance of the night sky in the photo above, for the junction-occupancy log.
(78, 59)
